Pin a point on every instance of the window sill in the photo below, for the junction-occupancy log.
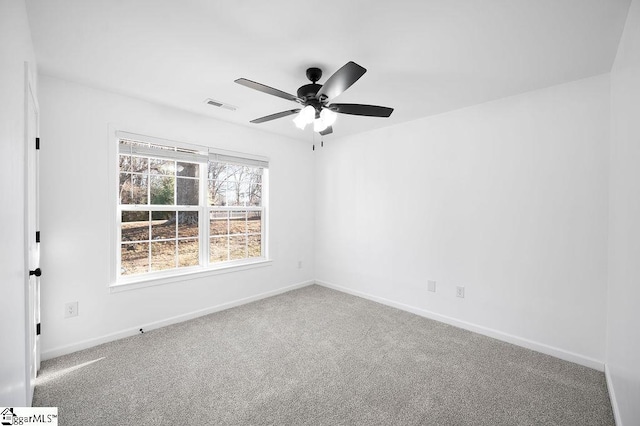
(142, 282)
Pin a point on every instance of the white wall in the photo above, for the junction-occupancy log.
(623, 326)
(76, 216)
(507, 198)
(15, 49)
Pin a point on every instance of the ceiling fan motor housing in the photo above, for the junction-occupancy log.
(308, 92)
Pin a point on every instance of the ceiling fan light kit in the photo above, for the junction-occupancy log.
(318, 125)
(306, 116)
(315, 98)
(328, 117)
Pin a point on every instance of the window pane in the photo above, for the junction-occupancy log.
(133, 164)
(135, 226)
(133, 188)
(187, 224)
(238, 222)
(162, 167)
(232, 194)
(216, 171)
(234, 172)
(188, 252)
(139, 164)
(237, 247)
(254, 246)
(256, 175)
(255, 187)
(125, 188)
(255, 195)
(218, 249)
(163, 225)
(216, 193)
(218, 224)
(163, 255)
(188, 169)
(124, 163)
(228, 193)
(188, 191)
(254, 222)
(162, 190)
(134, 258)
(245, 192)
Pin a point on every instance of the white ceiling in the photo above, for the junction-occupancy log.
(423, 57)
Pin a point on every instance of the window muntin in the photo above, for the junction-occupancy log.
(163, 203)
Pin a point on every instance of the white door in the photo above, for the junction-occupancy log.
(32, 239)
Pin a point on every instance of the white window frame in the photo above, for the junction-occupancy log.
(119, 282)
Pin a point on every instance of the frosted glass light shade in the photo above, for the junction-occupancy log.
(319, 125)
(328, 117)
(308, 113)
(300, 122)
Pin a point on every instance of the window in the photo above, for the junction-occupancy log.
(184, 209)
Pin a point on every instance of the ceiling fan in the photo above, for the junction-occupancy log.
(314, 99)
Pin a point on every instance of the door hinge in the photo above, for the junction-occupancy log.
(37, 143)
(37, 236)
(37, 329)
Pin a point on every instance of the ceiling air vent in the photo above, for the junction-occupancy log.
(219, 104)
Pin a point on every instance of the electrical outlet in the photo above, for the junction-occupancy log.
(299, 264)
(460, 291)
(431, 286)
(71, 309)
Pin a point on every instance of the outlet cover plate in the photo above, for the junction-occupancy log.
(71, 309)
(460, 291)
(431, 286)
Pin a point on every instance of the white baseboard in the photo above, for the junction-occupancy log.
(505, 337)
(612, 397)
(529, 344)
(85, 344)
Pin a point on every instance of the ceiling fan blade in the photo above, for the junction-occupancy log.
(359, 109)
(327, 131)
(341, 80)
(275, 116)
(266, 89)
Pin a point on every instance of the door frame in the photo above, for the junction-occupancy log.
(32, 258)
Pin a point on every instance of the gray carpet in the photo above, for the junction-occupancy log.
(315, 356)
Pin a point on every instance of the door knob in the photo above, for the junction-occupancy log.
(37, 272)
